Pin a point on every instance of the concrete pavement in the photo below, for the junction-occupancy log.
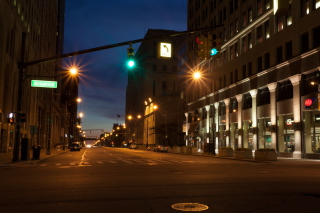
(6, 158)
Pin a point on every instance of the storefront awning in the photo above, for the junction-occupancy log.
(193, 127)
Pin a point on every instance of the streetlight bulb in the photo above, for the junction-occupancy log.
(80, 114)
(79, 100)
(129, 117)
(73, 71)
(196, 75)
(155, 107)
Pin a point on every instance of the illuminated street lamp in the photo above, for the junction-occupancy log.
(196, 75)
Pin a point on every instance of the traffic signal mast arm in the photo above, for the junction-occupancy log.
(53, 58)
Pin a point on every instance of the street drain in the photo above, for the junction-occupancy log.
(194, 207)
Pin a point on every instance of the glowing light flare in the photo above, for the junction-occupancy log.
(196, 75)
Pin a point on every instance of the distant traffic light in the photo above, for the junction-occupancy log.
(130, 53)
(214, 46)
(10, 117)
(201, 46)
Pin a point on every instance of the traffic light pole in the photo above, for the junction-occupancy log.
(53, 58)
(16, 147)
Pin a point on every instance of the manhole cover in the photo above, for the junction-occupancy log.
(195, 207)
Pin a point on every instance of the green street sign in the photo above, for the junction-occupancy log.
(45, 84)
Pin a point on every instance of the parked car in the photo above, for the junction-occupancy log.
(160, 148)
(75, 146)
(133, 146)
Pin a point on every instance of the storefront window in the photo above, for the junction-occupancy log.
(286, 133)
(247, 134)
(312, 131)
(233, 135)
(222, 137)
(264, 133)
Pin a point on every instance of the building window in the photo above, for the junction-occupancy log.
(233, 105)
(267, 4)
(154, 67)
(259, 34)
(235, 75)
(244, 19)
(266, 30)
(225, 35)
(250, 41)
(263, 96)
(267, 61)
(222, 108)
(288, 50)
(237, 25)
(259, 64)
(249, 68)
(285, 91)
(250, 18)
(304, 42)
(224, 81)
(289, 15)
(260, 7)
(244, 71)
(224, 13)
(244, 44)
(231, 7)
(236, 54)
(231, 77)
(231, 53)
(236, 4)
(306, 83)
(316, 36)
(247, 101)
(164, 86)
(231, 29)
(154, 88)
(279, 54)
(279, 23)
(316, 4)
(304, 7)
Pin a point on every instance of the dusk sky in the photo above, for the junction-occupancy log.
(95, 23)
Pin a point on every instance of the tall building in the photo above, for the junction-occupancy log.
(153, 97)
(258, 94)
(42, 24)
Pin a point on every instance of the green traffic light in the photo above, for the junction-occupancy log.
(131, 63)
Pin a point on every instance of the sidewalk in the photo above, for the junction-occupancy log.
(6, 158)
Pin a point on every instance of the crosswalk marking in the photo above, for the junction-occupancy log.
(43, 164)
(72, 164)
(100, 162)
(58, 164)
(112, 161)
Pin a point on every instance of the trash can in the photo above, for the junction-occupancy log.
(36, 152)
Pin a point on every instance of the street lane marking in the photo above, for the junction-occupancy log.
(43, 164)
(112, 161)
(72, 164)
(99, 162)
(64, 167)
(58, 164)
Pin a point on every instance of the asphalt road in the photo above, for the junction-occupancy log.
(136, 181)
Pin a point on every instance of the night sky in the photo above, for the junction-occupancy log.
(103, 75)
